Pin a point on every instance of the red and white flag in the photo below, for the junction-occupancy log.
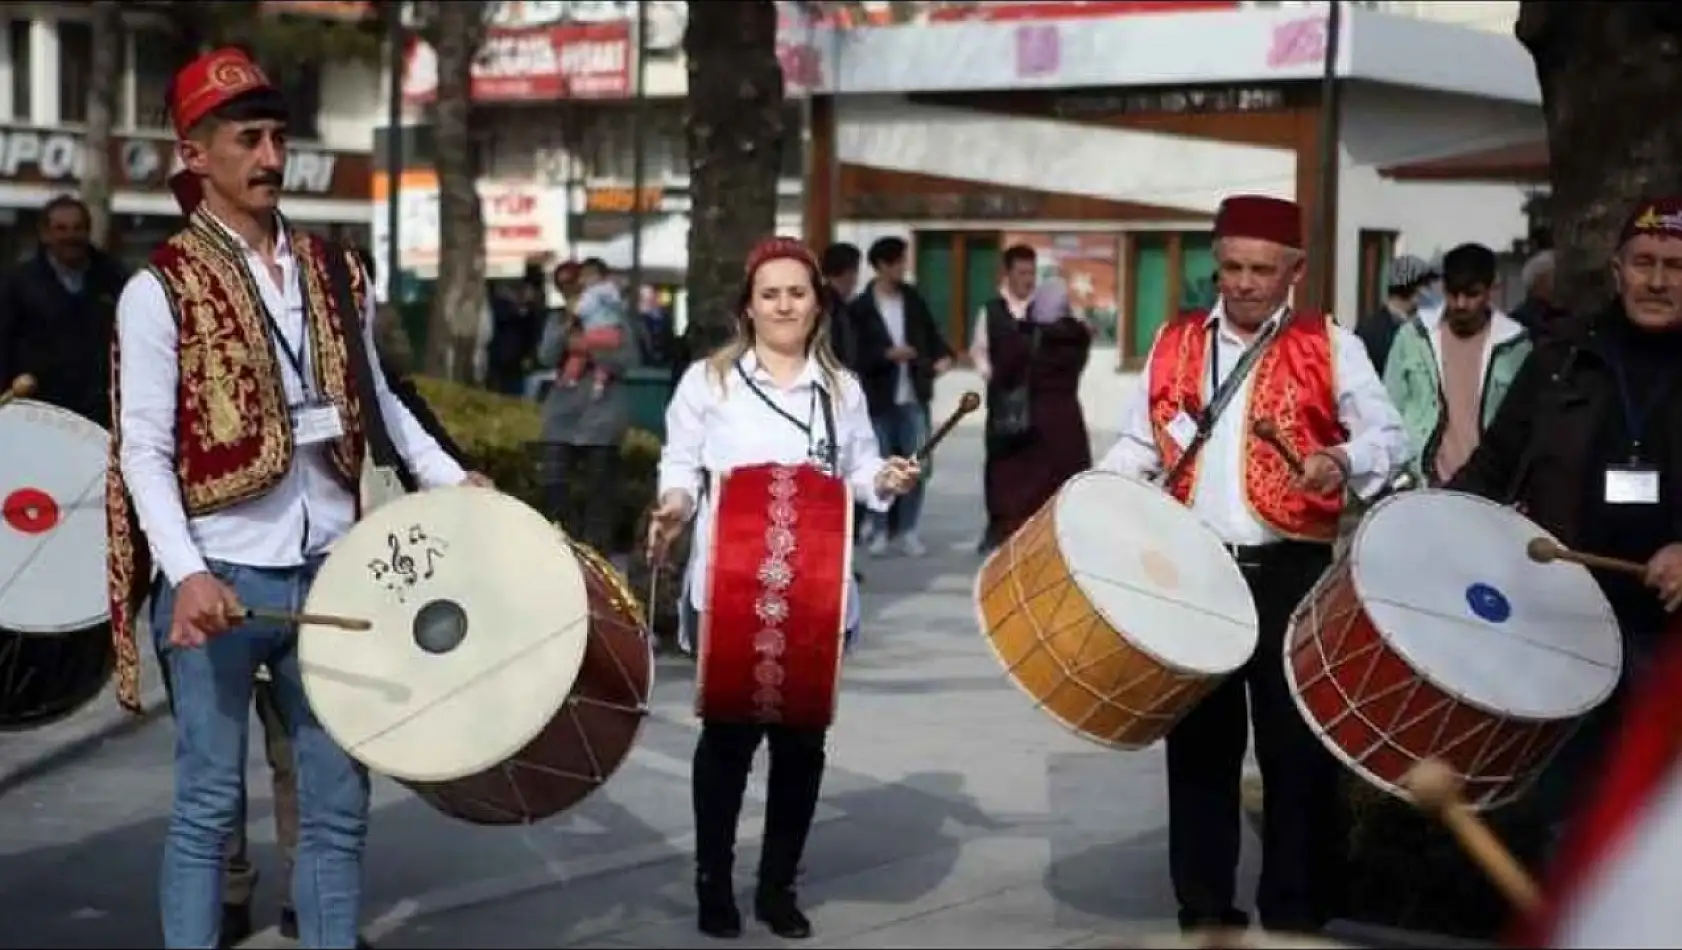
(1615, 881)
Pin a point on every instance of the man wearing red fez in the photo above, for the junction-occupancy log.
(1589, 444)
(244, 403)
(1210, 378)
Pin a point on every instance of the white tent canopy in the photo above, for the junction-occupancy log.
(665, 247)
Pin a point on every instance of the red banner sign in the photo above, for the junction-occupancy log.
(536, 64)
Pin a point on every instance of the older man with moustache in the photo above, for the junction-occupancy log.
(1209, 376)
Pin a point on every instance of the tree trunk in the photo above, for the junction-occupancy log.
(1609, 74)
(456, 31)
(105, 80)
(735, 131)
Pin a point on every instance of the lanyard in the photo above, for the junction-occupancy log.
(1635, 419)
(821, 451)
(294, 357)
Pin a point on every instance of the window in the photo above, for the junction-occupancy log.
(153, 55)
(75, 64)
(19, 38)
(1376, 250)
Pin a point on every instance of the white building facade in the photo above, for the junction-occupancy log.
(44, 65)
(1109, 143)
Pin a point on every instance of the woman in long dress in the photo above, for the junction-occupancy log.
(1047, 349)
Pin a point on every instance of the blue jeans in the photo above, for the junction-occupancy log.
(211, 688)
(901, 431)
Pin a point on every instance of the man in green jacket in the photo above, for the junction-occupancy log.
(1451, 366)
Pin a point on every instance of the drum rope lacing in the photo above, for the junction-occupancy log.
(1310, 609)
(40, 546)
(1071, 672)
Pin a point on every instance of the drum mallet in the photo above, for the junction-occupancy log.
(21, 388)
(314, 620)
(1266, 431)
(1436, 789)
(968, 404)
(1544, 550)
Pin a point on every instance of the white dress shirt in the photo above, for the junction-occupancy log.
(300, 517)
(1377, 444)
(712, 429)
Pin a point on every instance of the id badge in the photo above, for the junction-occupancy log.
(1632, 485)
(1182, 429)
(316, 422)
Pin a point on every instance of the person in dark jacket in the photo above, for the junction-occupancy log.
(1409, 275)
(841, 277)
(900, 352)
(1588, 444)
(56, 309)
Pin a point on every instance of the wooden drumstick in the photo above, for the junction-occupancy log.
(1544, 550)
(1436, 789)
(21, 387)
(1266, 431)
(968, 404)
(314, 620)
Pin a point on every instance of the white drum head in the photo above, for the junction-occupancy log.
(480, 616)
(1156, 572)
(1445, 578)
(52, 520)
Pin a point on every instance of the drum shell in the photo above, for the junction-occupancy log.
(1122, 697)
(44, 679)
(1381, 716)
(809, 663)
(590, 735)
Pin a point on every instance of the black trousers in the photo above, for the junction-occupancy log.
(723, 759)
(581, 491)
(1302, 833)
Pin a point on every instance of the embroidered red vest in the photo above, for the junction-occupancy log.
(1293, 383)
(233, 427)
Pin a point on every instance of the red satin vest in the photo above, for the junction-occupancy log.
(1293, 384)
(233, 427)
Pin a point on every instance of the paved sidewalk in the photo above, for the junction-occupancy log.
(954, 814)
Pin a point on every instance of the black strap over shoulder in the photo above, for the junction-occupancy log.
(362, 367)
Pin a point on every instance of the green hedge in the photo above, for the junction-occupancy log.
(502, 436)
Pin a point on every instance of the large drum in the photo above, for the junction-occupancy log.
(1435, 635)
(507, 672)
(773, 632)
(55, 643)
(1115, 609)
(52, 520)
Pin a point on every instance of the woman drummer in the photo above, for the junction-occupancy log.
(761, 399)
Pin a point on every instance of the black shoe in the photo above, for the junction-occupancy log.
(715, 907)
(776, 908)
(236, 924)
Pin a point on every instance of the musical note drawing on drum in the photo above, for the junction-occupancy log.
(52, 520)
(411, 556)
(503, 679)
(1435, 635)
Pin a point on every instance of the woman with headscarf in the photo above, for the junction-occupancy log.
(1040, 354)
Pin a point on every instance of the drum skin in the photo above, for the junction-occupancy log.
(46, 679)
(1381, 717)
(590, 737)
(772, 636)
(1059, 648)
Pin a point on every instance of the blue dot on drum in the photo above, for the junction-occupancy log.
(1488, 604)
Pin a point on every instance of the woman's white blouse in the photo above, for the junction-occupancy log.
(711, 429)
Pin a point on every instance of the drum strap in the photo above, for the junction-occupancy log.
(826, 450)
(362, 365)
(1222, 390)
